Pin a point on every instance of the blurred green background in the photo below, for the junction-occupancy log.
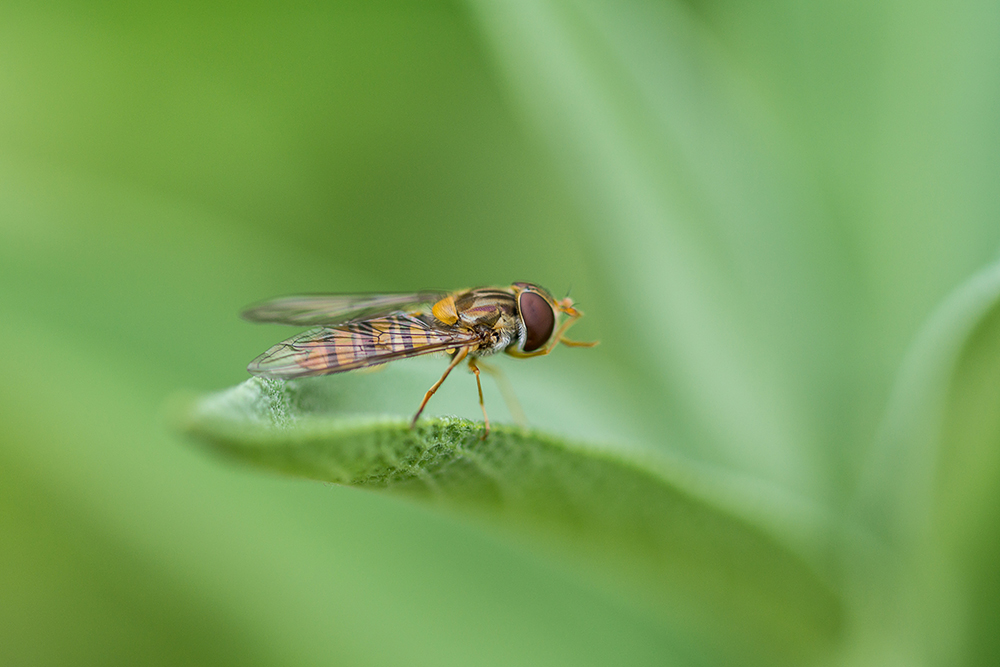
(758, 205)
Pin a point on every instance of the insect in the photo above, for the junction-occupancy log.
(362, 330)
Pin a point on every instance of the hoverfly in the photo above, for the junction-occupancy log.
(362, 330)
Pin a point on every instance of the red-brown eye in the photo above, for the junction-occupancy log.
(539, 320)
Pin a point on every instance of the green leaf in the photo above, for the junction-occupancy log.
(965, 518)
(630, 523)
(933, 489)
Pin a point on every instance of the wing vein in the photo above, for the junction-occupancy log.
(361, 344)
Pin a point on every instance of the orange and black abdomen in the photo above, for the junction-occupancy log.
(357, 345)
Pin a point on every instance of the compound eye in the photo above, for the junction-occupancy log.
(539, 320)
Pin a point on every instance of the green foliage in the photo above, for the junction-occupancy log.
(932, 489)
(784, 449)
(625, 519)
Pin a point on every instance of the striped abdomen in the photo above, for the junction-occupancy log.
(357, 345)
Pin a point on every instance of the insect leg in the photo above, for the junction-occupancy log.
(576, 343)
(507, 391)
(574, 315)
(569, 321)
(461, 354)
(558, 338)
(486, 420)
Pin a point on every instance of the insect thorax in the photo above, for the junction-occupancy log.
(493, 315)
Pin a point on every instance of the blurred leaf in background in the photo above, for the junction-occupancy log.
(780, 218)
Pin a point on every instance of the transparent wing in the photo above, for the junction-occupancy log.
(356, 345)
(334, 309)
